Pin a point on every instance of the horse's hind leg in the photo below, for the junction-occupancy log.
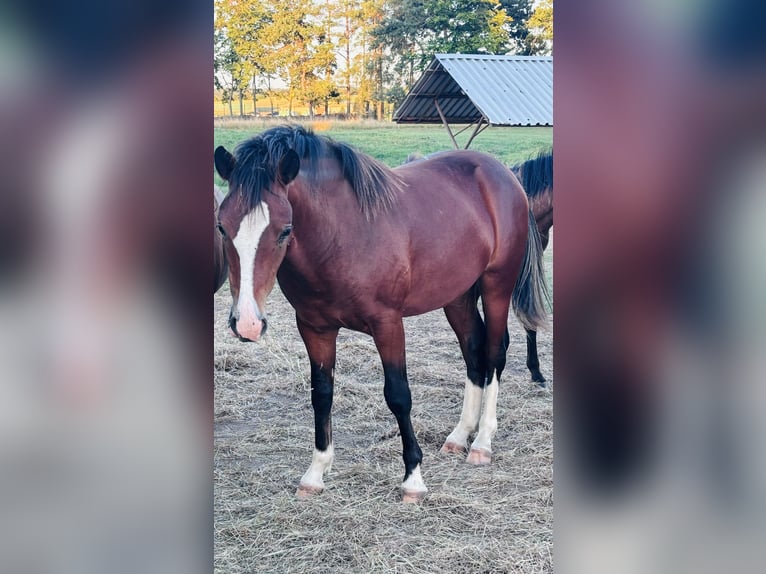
(496, 303)
(533, 361)
(388, 334)
(464, 318)
(321, 349)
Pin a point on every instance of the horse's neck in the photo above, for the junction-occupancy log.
(320, 212)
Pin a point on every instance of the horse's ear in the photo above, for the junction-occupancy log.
(289, 166)
(224, 162)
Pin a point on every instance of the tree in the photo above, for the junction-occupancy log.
(300, 51)
(518, 11)
(368, 66)
(349, 17)
(395, 95)
(230, 73)
(238, 26)
(463, 26)
(244, 22)
(540, 26)
(403, 31)
(414, 30)
(326, 52)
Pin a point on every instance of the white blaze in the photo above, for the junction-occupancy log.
(246, 243)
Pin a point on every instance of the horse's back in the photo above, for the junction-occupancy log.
(466, 190)
(463, 171)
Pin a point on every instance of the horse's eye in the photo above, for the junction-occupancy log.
(284, 235)
(221, 230)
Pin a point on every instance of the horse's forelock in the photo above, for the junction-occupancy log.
(252, 173)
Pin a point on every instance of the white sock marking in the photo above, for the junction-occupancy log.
(488, 422)
(321, 462)
(246, 243)
(469, 418)
(414, 482)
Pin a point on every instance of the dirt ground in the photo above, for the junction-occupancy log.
(491, 519)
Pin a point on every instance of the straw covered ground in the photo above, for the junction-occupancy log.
(490, 519)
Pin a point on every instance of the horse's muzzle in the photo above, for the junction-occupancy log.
(248, 335)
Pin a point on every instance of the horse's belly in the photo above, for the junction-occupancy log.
(428, 294)
(420, 305)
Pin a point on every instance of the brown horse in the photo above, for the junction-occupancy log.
(536, 177)
(355, 244)
(220, 266)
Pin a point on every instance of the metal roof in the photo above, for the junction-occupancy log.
(501, 90)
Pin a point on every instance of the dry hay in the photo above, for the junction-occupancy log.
(490, 519)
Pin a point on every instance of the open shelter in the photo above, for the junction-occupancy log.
(479, 90)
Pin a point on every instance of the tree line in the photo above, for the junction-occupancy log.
(365, 54)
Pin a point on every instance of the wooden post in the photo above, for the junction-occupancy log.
(446, 125)
(480, 127)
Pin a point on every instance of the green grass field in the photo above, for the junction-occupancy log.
(391, 143)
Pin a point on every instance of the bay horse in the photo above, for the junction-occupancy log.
(536, 177)
(358, 245)
(220, 265)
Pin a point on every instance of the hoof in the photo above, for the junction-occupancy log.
(453, 448)
(479, 457)
(413, 496)
(305, 491)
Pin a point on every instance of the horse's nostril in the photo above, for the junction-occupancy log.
(233, 327)
(264, 325)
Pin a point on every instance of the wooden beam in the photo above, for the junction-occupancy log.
(469, 126)
(480, 127)
(446, 125)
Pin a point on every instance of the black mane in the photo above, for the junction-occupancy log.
(257, 162)
(536, 174)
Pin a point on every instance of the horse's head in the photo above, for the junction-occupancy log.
(255, 221)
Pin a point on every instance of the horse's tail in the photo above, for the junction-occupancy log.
(530, 294)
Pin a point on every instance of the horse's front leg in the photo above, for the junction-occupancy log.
(389, 339)
(321, 349)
